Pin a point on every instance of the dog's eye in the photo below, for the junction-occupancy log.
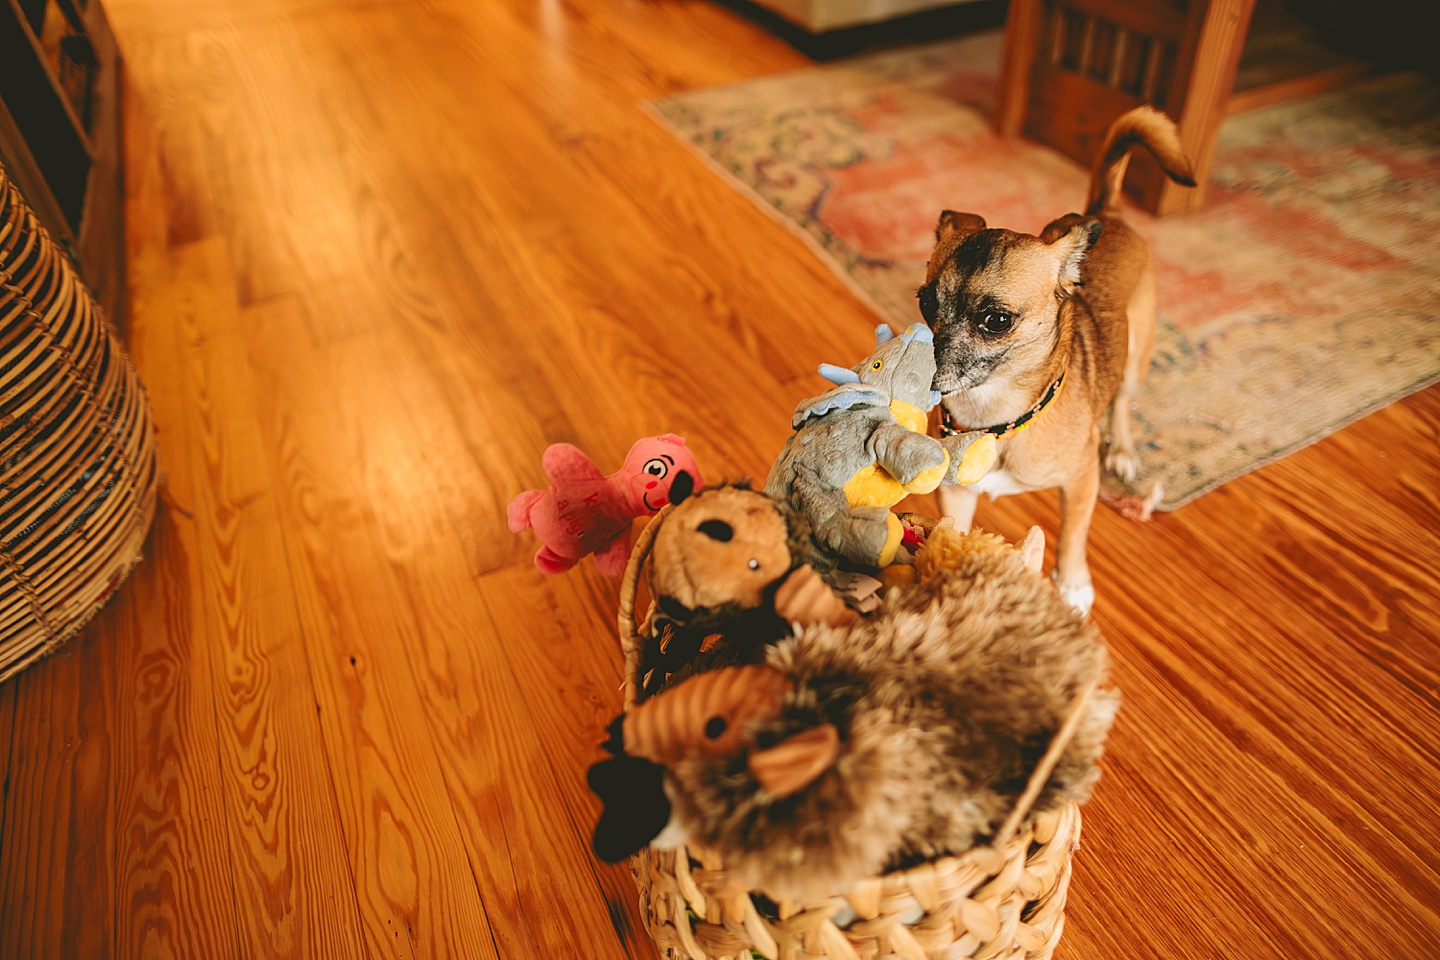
(928, 303)
(994, 323)
(656, 468)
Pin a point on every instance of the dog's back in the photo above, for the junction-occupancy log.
(1119, 262)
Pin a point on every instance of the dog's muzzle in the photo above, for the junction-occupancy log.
(959, 369)
(950, 380)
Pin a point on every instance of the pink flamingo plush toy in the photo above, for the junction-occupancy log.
(583, 511)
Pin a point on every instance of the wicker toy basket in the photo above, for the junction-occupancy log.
(1004, 901)
(77, 450)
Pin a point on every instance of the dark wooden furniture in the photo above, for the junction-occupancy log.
(1072, 66)
(60, 129)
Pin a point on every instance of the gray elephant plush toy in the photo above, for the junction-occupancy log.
(861, 447)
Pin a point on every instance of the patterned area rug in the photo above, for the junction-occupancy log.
(1304, 295)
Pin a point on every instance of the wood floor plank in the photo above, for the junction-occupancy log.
(174, 892)
(271, 774)
(481, 723)
(7, 740)
(58, 843)
(659, 196)
(174, 889)
(278, 803)
(280, 796)
(1303, 723)
(417, 892)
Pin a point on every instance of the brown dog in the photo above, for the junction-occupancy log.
(1042, 339)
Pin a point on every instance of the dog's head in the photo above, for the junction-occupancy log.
(993, 297)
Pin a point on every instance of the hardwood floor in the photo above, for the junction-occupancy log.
(382, 253)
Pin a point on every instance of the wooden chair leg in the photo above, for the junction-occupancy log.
(1200, 103)
(1022, 39)
(1063, 97)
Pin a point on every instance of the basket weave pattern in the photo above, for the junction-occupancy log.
(1000, 902)
(1006, 904)
(77, 449)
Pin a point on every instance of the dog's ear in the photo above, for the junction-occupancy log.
(1071, 249)
(956, 225)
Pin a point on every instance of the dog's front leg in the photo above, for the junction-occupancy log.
(958, 503)
(1077, 506)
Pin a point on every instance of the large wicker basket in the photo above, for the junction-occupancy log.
(77, 450)
(1004, 901)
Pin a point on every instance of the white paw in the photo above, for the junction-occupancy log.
(671, 837)
(957, 505)
(1080, 596)
(1123, 464)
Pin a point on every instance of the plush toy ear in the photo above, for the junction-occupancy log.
(918, 332)
(954, 224)
(793, 764)
(883, 334)
(1032, 551)
(681, 487)
(1072, 248)
(803, 597)
(674, 609)
(635, 806)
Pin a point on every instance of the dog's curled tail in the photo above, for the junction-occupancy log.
(1146, 127)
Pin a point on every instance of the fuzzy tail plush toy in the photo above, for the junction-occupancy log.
(861, 448)
(583, 511)
(860, 748)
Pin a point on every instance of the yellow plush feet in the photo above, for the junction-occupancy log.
(977, 453)
(898, 575)
(927, 480)
(895, 534)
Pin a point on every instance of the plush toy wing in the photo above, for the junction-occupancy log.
(843, 397)
(565, 461)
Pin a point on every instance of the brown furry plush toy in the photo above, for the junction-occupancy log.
(729, 562)
(894, 739)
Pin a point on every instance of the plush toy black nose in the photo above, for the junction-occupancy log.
(674, 609)
(717, 530)
(681, 487)
(635, 807)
